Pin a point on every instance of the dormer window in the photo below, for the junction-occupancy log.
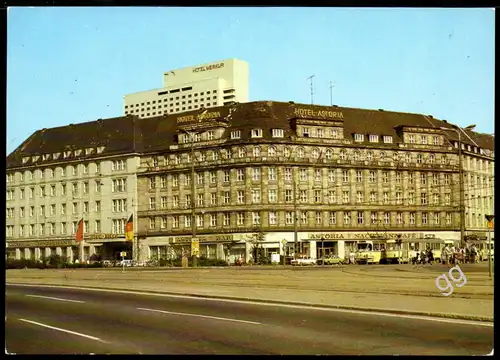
(475, 149)
(305, 132)
(423, 139)
(436, 140)
(35, 158)
(455, 144)
(256, 133)
(55, 156)
(45, 157)
(78, 152)
(26, 159)
(359, 137)
(278, 133)
(66, 154)
(334, 133)
(468, 148)
(100, 149)
(89, 151)
(387, 139)
(210, 135)
(373, 138)
(411, 139)
(236, 134)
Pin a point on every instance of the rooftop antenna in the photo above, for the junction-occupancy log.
(331, 92)
(312, 90)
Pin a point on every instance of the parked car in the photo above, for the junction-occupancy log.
(107, 263)
(330, 260)
(304, 261)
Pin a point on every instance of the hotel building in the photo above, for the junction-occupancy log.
(351, 174)
(203, 86)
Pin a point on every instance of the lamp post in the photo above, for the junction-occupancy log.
(489, 218)
(458, 130)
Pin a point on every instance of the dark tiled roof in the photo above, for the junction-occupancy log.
(129, 134)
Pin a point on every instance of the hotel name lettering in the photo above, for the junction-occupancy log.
(364, 236)
(192, 118)
(318, 113)
(208, 67)
(201, 239)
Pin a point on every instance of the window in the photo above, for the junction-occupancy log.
(303, 196)
(163, 182)
(423, 139)
(369, 156)
(85, 187)
(372, 177)
(448, 218)
(118, 165)
(432, 158)
(203, 157)
(97, 206)
(200, 199)
(175, 201)
(321, 133)
(286, 152)
(386, 197)
(423, 198)
(241, 196)
(447, 179)
(334, 133)
(272, 195)
(187, 179)
(120, 205)
(447, 199)
(315, 153)
(175, 180)
(373, 218)
(398, 177)
(272, 173)
(332, 218)
(227, 175)
(385, 176)
(288, 195)
(411, 139)
(300, 152)
(399, 218)
(399, 198)
(342, 155)
(305, 132)
(435, 179)
(21, 194)
(331, 176)
(271, 151)
(241, 152)
(411, 178)
(303, 217)
(227, 219)
(373, 138)
(187, 221)
(345, 176)
(63, 209)
(359, 137)
(53, 189)
(256, 174)
(152, 223)
(424, 218)
(373, 196)
(319, 218)
(199, 178)
(328, 154)
(288, 218)
(240, 174)
(435, 199)
(411, 198)
(215, 155)
(423, 179)
(345, 197)
(97, 186)
(256, 196)
(119, 185)
(272, 218)
(387, 139)
(317, 196)
(387, 218)
(303, 174)
(317, 174)
(412, 218)
(210, 135)
(227, 197)
(213, 220)
(288, 174)
(278, 133)
(256, 133)
(347, 218)
(240, 218)
(360, 216)
(356, 155)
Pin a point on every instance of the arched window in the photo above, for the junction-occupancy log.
(241, 152)
(286, 152)
(356, 155)
(315, 153)
(343, 155)
(256, 151)
(271, 151)
(328, 154)
(432, 158)
(300, 152)
(369, 156)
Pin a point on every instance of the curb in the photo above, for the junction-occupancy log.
(311, 305)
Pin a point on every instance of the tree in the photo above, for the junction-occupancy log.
(256, 240)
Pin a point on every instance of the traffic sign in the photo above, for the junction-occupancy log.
(123, 253)
(284, 242)
(195, 247)
(490, 224)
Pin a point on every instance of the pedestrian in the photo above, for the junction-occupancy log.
(474, 254)
(430, 256)
(352, 257)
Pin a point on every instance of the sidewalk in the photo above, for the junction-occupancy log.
(399, 291)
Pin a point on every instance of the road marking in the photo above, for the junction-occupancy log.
(362, 312)
(63, 330)
(54, 298)
(203, 316)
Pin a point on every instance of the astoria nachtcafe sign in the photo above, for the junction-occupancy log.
(364, 236)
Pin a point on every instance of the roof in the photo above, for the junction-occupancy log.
(131, 134)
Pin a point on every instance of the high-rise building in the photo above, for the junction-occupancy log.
(203, 86)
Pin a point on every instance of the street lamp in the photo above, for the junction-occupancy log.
(459, 130)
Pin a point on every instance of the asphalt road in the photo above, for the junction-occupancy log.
(43, 320)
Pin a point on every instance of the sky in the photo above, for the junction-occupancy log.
(71, 65)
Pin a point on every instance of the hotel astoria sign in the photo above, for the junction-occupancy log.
(364, 236)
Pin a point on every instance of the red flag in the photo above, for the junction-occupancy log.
(79, 231)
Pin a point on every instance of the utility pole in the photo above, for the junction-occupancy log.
(489, 218)
(331, 93)
(193, 204)
(295, 214)
(461, 178)
(310, 78)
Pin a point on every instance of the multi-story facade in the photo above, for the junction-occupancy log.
(59, 176)
(348, 175)
(203, 86)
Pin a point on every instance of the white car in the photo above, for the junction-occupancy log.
(303, 261)
(126, 263)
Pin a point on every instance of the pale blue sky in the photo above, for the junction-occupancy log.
(71, 65)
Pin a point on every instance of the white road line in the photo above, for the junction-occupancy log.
(54, 298)
(63, 330)
(362, 312)
(202, 316)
